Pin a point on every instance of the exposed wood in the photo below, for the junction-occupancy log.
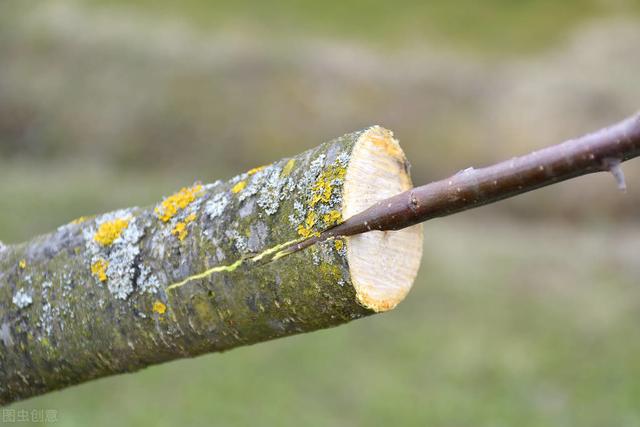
(383, 264)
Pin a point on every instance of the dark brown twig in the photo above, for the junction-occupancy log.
(602, 151)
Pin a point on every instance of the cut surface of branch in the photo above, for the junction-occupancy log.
(383, 264)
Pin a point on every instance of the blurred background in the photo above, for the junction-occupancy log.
(524, 312)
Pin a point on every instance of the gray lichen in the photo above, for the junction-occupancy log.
(239, 241)
(120, 255)
(299, 212)
(271, 191)
(216, 206)
(310, 175)
(147, 281)
(45, 322)
(122, 261)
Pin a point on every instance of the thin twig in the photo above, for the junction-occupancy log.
(602, 151)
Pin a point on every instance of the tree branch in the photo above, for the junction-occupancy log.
(206, 269)
(601, 151)
(199, 271)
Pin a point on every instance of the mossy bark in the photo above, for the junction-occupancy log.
(194, 274)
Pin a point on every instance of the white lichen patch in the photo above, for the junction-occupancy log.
(120, 255)
(217, 204)
(45, 322)
(274, 190)
(211, 186)
(343, 159)
(239, 241)
(238, 178)
(298, 215)
(269, 184)
(315, 255)
(309, 176)
(254, 184)
(48, 313)
(121, 269)
(22, 298)
(147, 281)
(326, 251)
(65, 307)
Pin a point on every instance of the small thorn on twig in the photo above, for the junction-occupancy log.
(614, 166)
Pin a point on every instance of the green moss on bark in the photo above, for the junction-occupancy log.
(100, 296)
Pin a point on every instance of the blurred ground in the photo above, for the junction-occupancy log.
(524, 312)
(508, 324)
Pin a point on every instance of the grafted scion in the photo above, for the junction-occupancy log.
(603, 150)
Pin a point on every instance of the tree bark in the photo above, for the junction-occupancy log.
(204, 269)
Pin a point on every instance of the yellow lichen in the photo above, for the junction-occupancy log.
(286, 171)
(180, 229)
(180, 200)
(79, 220)
(110, 231)
(331, 218)
(330, 271)
(99, 270)
(255, 170)
(22, 264)
(322, 191)
(306, 229)
(339, 244)
(239, 187)
(159, 307)
(323, 187)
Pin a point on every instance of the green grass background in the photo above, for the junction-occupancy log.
(490, 26)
